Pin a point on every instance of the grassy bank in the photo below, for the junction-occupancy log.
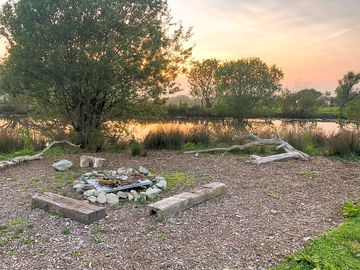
(344, 144)
(339, 249)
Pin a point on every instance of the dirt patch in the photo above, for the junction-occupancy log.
(267, 213)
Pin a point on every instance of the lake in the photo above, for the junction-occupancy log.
(137, 130)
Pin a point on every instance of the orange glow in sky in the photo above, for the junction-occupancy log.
(315, 42)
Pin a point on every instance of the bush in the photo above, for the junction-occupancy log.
(196, 136)
(345, 143)
(351, 209)
(162, 138)
(12, 141)
(137, 149)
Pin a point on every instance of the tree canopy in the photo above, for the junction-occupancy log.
(87, 61)
(302, 104)
(202, 80)
(347, 91)
(245, 84)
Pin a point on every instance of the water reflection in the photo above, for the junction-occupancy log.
(137, 130)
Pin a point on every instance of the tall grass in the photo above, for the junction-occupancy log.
(162, 138)
(345, 143)
(12, 141)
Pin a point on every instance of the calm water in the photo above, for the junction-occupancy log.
(139, 129)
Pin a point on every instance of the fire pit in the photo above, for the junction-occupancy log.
(113, 185)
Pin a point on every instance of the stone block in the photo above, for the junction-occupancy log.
(80, 211)
(171, 206)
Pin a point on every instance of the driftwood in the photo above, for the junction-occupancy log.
(39, 156)
(291, 152)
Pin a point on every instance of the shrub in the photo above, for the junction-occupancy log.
(12, 141)
(137, 149)
(351, 209)
(345, 143)
(197, 136)
(162, 138)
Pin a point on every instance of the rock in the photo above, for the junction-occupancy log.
(306, 239)
(161, 184)
(91, 162)
(95, 173)
(88, 187)
(87, 174)
(122, 195)
(142, 196)
(92, 199)
(159, 178)
(152, 193)
(123, 177)
(62, 165)
(143, 170)
(89, 193)
(101, 197)
(77, 182)
(112, 198)
(79, 186)
(130, 197)
(78, 210)
(134, 193)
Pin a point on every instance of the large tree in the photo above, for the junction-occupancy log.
(87, 61)
(202, 81)
(347, 91)
(301, 104)
(245, 85)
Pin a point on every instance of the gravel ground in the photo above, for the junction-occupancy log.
(268, 212)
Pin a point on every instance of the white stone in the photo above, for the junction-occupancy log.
(143, 170)
(101, 197)
(92, 199)
(159, 178)
(152, 193)
(134, 193)
(130, 197)
(122, 195)
(89, 193)
(62, 165)
(161, 184)
(112, 198)
(79, 186)
(87, 174)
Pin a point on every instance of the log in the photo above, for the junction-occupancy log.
(291, 152)
(39, 156)
(261, 160)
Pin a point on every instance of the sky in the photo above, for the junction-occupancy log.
(314, 42)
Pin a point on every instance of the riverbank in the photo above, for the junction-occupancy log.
(267, 213)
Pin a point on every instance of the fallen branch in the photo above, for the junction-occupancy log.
(39, 156)
(260, 160)
(291, 152)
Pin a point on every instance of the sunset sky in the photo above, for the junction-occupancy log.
(314, 42)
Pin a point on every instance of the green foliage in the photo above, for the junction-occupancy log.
(338, 249)
(198, 137)
(65, 231)
(20, 221)
(18, 141)
(162, 138)
(351, 210)
(346, 91)
(302, 104)
(84, 62)
(244, 85)
(202, 81)
(352, 110)
(176, 179)
(137, 149)
(345, 143)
